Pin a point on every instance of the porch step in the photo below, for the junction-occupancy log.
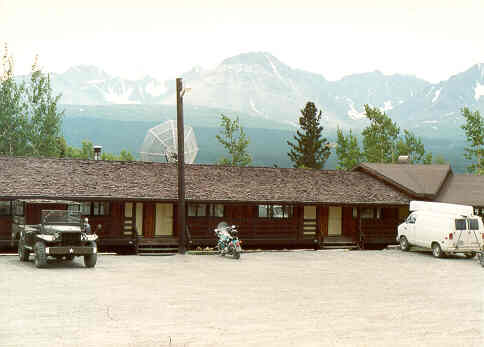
(339, 245)
(156, 250)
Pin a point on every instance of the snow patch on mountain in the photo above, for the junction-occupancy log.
(95, 81)
(252, 106)
(276, 72)
(155, 89)
(116, 97)
(387, 105)
(436, 96)
(354, 114)
(478, 91)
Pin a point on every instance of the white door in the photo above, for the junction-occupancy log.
(334, 221)
(139, 218)
(164, 220)
(410, 229)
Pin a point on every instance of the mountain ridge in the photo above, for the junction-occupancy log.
(261, 86)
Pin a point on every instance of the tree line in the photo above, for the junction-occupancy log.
(30, 119)
(383, 141)
(31, 125)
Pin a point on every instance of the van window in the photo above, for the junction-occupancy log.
(411, 219)
(460, 224)
(473, 224)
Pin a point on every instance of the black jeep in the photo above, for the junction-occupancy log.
(61, 234)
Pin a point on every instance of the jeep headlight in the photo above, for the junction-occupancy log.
(48, 238)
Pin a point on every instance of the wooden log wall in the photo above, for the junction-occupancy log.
(249, 225)
(109, 226)
(5, 227)
(383, 230)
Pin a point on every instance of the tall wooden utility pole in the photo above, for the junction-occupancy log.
(181, 167)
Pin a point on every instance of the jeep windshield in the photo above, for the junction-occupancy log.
(60, 217)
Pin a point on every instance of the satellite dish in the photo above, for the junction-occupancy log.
(161, 144)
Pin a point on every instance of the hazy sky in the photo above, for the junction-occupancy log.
(430, 39)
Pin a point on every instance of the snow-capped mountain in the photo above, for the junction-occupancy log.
(260, 85)
(438, 106)
(89, 85)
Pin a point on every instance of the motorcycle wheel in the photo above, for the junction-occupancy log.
(236, 254)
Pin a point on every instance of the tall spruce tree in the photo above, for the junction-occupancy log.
(310, 149)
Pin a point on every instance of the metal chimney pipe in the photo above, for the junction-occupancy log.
(97, 152)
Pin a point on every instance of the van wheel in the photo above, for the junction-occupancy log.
(470, 255)
(437, 250)
(404, 246)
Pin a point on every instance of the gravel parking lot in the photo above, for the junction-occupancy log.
(296, 298)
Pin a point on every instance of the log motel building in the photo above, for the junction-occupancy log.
(133, 205)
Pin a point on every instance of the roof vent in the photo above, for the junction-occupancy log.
(97, 152)
(403, 159)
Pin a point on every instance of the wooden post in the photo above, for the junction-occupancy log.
(181, 167)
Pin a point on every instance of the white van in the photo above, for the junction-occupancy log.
(443, 228)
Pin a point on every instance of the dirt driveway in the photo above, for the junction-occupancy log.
(297, 298)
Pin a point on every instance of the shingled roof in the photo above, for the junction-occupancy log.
(89, 179)
(420, 181)
(463, 189)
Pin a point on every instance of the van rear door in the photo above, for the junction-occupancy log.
(467, 233)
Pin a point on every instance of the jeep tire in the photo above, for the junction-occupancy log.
(23, 253)
(40, 256)
(90, 259)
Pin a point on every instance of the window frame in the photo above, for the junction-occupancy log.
(287, 211)
(86, 206)
(193, 210)
(10, 208)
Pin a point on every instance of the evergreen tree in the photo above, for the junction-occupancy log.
(235, 142)
(310, 149)
(474, 130)
(347, 150)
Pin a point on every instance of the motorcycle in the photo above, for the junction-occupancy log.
(228, 241)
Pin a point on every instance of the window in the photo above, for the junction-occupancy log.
(73, 209)
(5, 208)
(96, 208)
(100, 208)
(86, 208)
(355, 212)
(19, 208)
(366, 213)
(197, 210)
(263, 211)
(411, 219)
(216, 210)
(460, 224)
(473, 224)
(275, 211)
(378, 213)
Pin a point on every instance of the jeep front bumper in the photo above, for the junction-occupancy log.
(77, 250)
